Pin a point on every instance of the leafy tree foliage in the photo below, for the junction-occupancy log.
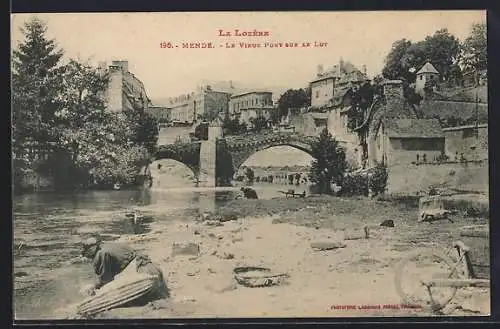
(442, 49)
(108, 147)
(429, 86)
(233, 126)
(35, 83)
(293, 98)
(64, 106)
(329, 162)
(378, 181)
(474, 49)
(393, 68)
(258, 124)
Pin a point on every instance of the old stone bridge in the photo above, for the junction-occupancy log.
(229, 153)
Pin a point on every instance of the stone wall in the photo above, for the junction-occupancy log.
(304, 124)
(463, 140)
(412, 178)
(398, 155)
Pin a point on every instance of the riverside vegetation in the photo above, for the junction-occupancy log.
(58, 108)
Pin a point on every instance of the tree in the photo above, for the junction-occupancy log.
(275, 116)
(429, 86)
(378, 181)
(144, 128)
(233, 126)
(362, 99)
(293, 98)
(393, 67)
(474, 49)
(455, 76)
(442, 49)
(329, 162)
(105, 147)
(35, 84)
(259, 123)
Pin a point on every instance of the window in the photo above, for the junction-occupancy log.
(422, 144)
(468, 133)
(317, 93)
(421, 77)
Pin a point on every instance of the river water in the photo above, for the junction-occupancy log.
(49, 227)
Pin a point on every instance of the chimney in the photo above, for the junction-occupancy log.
(394, 96)
(231, 86)
(393, 89)
(122, 64)
(364, 69)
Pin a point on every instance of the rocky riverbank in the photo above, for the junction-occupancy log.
(279, 234)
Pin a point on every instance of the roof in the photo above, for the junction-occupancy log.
(483, 125)
(447, 109)
(428, 68)
(251, 92)
(340, 70)
(355, 76)
(413, 128)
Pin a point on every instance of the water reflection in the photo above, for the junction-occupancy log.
(48, 229)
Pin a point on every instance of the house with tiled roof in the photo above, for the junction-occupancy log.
(427, 73)
(403, 141)
(328, 84)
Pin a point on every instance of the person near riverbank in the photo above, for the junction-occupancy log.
(110, 259)
(249, 193)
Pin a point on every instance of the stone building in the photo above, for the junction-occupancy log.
(202, 104)
(125, 90)
(328, 84)
(427, 73)
(251, 104)
(469, 140)
(402, 141)
(331, 93)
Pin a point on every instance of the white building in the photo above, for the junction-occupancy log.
(427, 73)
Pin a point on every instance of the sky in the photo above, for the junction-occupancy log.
(363, 38)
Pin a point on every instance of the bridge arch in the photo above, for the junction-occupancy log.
(243, 157)
(185, 153)
(242, 150)
(171, 173)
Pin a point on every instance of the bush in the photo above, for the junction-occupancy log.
(408, 200)
(378, 181)
(354, 185)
